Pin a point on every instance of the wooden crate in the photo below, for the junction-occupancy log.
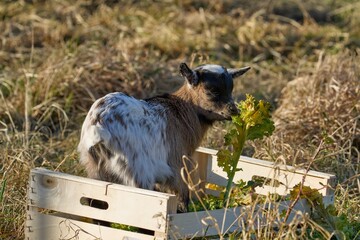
(57, 206)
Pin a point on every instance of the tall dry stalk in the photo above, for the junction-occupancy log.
(28, 79)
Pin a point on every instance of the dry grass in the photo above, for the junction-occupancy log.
(56, 57)
(322, 105)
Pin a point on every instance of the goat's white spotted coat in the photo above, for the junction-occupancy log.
(134, 132)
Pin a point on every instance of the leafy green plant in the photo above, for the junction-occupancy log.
(253, 122)
(124, 227)
(327, 216)
(243, 193)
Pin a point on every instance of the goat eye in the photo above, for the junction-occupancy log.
(214, 95)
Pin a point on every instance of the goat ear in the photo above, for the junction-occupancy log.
(189, 74)
(237, 72)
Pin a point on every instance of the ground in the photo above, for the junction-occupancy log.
(57, 57)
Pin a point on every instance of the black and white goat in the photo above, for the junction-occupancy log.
(140, 143)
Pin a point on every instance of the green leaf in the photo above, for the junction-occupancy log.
(310, 194)
(231, 137)
(224, 159)
(258, 131)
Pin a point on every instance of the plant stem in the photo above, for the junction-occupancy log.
(235, 158)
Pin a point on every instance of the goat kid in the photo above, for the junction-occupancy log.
(140, 143)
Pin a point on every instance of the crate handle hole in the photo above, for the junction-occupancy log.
(95, 203)
(266, 181)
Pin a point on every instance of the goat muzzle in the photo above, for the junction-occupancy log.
(233, 110)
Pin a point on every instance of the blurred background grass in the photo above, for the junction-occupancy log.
(57, 57)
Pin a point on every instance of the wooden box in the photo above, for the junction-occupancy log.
(57, 203)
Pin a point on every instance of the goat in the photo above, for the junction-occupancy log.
(140, 143)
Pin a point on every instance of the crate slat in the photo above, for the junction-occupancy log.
(222, 221)
(135, 207)
(288, 176)
(49, 227)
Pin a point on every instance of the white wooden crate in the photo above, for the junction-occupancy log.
(56, 209)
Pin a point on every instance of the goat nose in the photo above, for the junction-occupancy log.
(233, 109)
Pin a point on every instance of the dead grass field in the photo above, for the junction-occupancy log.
(57, 57)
